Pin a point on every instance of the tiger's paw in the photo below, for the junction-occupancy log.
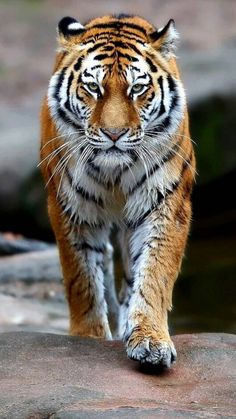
(151, 350)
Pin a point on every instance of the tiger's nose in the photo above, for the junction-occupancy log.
(114, 133)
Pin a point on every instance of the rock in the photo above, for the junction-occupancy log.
(32, 295)
(10, 245)
(34, 314)
(61, 377)
(31, 267)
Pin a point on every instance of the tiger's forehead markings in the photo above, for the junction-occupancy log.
(118, 25)
(93, 68)
(116, 29)
(138, 71)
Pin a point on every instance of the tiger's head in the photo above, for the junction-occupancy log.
(116, 86)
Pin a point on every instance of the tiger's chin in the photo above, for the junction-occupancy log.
(111, 159)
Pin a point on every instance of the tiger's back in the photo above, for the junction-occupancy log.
(116, 150)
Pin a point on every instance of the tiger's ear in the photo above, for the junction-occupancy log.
(68, 27)
(165, 39)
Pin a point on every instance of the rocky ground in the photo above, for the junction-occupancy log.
(28, 41)
(60, 377)
(31, 290)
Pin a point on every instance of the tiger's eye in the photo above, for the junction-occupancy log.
(137, 88)
(93, 87)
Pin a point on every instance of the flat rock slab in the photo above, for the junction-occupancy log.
(62, 377)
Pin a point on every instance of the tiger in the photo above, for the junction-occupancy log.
(116, 152)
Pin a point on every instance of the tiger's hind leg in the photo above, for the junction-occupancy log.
(82, 251)
(127, 281)
(110, 290)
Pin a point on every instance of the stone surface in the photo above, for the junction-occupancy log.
(54, 376)
(32, 293)
(11, 245)
(31, 267)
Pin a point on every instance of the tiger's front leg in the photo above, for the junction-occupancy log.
(82, 251)
(157, 247)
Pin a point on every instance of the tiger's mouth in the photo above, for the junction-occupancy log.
(113, 157)
(115, 151)
(115, 147)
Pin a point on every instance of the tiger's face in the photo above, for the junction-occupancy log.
(116, 85)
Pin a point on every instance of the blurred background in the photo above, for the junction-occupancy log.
(31, 293)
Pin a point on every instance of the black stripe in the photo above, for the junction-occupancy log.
(173, 90)
(150, 98)
(120, 44)
(129, 281)
(137, 256)
(118, 25)
(128, 57)
(165, 123)
(66, 118)
(132, 37)
(134, 48)
(108, 48)
(80, 98)
(174, 102)
(162, 107)
(143, 76)
(87, 74)
(67, 103)
(86, 246)
(145, 299)
(101, 57)
(78, 64)
(59, 83)
(96, 46)
(88, 197)
(151, 65)
(171, 83)
(126, 45)
(154, 110)
(135, 68)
